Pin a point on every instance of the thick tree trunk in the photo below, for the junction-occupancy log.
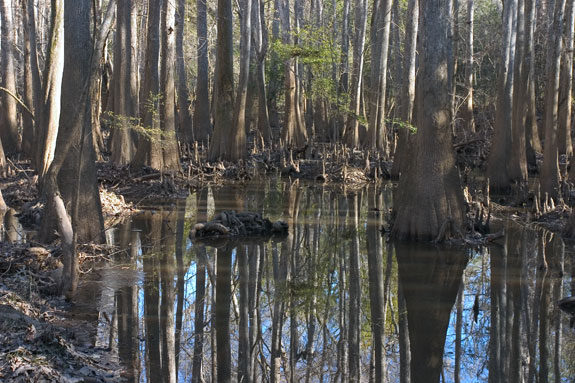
(429, 201)
(221, 140)
(8, 109)
(124, 109)
(550, 176)
(202, 122)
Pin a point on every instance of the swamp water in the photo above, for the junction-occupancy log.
(334, 301)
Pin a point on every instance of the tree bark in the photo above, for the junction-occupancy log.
(550, 176)
(260, 40)
(185, 128)
(354, 283)
(223, 85)
(425, 203)
(9, 110)
(564, 106)
(499, 178)
(202, 124)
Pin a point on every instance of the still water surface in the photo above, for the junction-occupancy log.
(334, 301)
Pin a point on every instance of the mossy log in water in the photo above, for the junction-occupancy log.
(231, 224)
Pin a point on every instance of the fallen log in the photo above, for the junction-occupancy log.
(228, 223)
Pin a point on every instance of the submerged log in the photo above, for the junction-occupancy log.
(231, 224)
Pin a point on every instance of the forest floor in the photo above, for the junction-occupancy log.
(42, 341)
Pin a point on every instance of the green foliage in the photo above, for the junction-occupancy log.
(397, 123)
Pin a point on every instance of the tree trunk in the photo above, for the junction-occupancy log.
(167, 301)
(351, 134)
(380, 30)
(244, 346)
(407, 101)
(565, 146)
(550, 176)
(32, 84)
(517, 165)
(467, 110)
(531, 129)
(149, 151)
(499, 179)
(426, 204)
(294, 133)
(237, 149)
(9, 111)
(47, 122)
(221, 140)
(260, 40)
(184, 113)
(222, 319)
(202, 123)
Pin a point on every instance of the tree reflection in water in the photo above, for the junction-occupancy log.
(333, 302)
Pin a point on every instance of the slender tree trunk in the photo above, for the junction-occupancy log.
(184, 112)
(531, 128)
(565, 146)
(467, 110)
(202, 123)
(32, 84)
(517, 165)
(380, 30)
(222, 319)
(149, 151)
(407, 102)
(8, 111)
(499, 179)
(550, 176)
(238, 149)
(244, 346)
(351, 134)
(260, 40)
(47, 122)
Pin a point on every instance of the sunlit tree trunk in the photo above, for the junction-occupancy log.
(202, 122)
(238, 149)
(351, 134)
(425, 204)
(260, 40)
(550, 176)
(149, 151)
(379, 37)
(49, 118)
(167, 326)
(517, 165)
(564, 106)
(184, 113)
(294, 133)
(531, 128)
(8, 106)
(124, 108)
(170, 150)
(407, 98)
(221, 141)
